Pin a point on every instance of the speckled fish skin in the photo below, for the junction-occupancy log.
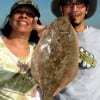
(55, 59)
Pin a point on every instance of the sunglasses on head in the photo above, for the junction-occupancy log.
(29, 13)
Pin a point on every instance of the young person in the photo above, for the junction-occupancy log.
(86, 84)
(16, 47)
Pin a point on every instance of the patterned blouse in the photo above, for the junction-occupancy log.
(16, 82)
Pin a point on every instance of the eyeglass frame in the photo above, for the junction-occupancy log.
(71, 4)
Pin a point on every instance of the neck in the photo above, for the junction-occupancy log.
(18, 46)
(19, 37)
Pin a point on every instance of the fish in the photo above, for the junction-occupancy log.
(55, 59)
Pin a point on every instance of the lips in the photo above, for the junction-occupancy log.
(22, 22)
(75, 14)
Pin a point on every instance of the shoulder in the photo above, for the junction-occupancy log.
(1, 41)
(94, 29)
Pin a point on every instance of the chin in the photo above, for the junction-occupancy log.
(22, 29)
(75, 23)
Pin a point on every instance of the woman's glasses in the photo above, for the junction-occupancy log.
(27, 12)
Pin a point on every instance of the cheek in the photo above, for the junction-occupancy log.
(84, 14)
(31, 21)
(67, 11)
(12, 22)
(13, 19)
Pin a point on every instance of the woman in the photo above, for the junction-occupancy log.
(16, 47)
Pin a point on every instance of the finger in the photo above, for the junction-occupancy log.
(36, 20)
(37, 26)
(34, 23)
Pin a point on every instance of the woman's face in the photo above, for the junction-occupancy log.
(22, 20)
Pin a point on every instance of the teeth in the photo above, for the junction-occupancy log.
(75, 14)
(23, 23)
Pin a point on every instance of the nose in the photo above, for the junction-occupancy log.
(74, 7)
(24, 15)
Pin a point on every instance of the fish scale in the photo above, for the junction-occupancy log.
(55, 59)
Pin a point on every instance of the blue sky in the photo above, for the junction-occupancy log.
(46, 15)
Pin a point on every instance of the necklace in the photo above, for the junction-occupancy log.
(24, 66)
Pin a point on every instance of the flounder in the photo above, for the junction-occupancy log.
(55, 59)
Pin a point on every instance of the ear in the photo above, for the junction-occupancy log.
(87, 9)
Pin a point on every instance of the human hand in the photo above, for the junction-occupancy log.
(37, 26)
